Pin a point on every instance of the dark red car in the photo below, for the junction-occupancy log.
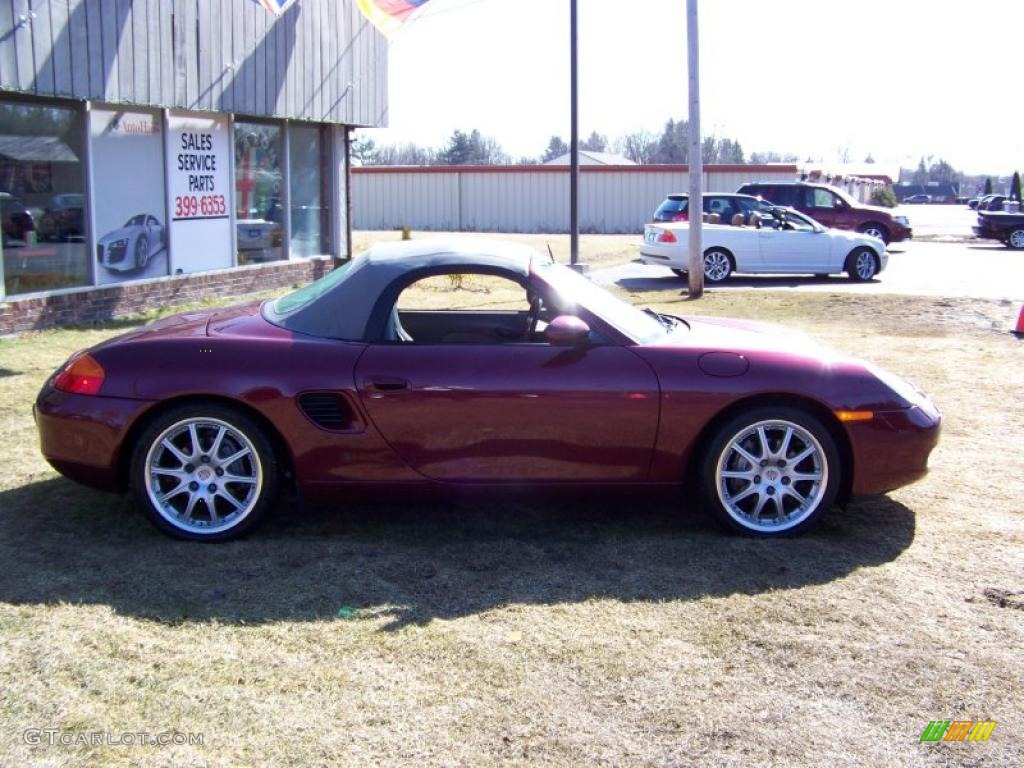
(833, 208)
(338, 384)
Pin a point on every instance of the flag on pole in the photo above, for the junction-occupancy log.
(276, 7)
(389, 15)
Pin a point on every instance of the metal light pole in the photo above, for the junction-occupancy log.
(574, 144)
(696, 204)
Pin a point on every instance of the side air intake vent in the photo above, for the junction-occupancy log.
(328, 410)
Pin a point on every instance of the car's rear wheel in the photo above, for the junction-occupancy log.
(770, 471)
(717, 265)
(204, 472)
(862, 265)
(1016, 239)
(874, 229)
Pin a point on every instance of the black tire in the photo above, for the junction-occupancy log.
(681, 273)
(141, 252)
(862, 265)
(1016, 239)
(718, 265)
(727, 499)
(229, 510)
(874, 229)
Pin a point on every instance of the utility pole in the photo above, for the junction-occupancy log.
(696, 202)
(574, 143)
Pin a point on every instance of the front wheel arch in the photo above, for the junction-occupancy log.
(876, 225)
(135, 431)
(692, 460)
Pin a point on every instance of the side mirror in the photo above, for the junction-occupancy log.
(567, 331)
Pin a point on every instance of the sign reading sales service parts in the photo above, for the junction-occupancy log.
(198, 194)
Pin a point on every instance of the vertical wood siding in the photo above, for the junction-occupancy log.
(524, 200)
(319, 61)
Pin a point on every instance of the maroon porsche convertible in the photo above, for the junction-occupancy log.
(205, 415)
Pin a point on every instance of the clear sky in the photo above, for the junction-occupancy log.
(895, 78)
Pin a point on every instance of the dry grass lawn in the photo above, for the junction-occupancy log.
(520, 631)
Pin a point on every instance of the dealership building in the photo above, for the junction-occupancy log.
(168, 149)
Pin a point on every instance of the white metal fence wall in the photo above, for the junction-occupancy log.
(613, 199)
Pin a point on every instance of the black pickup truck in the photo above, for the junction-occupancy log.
(1007, 228)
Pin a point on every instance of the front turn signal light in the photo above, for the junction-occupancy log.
(81, 376)
(855, 415)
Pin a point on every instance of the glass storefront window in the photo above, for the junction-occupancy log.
(258, 191)
(42, 197)
(310, 195)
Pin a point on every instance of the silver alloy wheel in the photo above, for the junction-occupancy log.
(875, 232)
(771, 476)
(864, 266)
(716, 266)
(1017, 238)
(203, 476)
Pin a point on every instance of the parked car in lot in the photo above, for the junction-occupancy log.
(833, 208)
(992, 203)
(973, 203)
(15, 218)
(63, 217)
(338, 386)
(726, 205)
(918, 200)
(784, 242)
(1007, 228)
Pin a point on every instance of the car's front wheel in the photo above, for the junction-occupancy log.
(141, 251)
(862, 265)
(204, 472)
(717, 265)
(874, 229)
(770, 471)
(1016, 239)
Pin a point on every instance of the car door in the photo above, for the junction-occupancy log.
(510, 410)
(796, 247)
(825, 207)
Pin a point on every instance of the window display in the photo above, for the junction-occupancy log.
(258, 187)
(42, 198)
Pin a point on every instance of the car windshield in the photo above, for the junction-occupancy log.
(800, 223)
(575, 290)
(136, 221)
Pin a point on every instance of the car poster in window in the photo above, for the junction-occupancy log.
(198, 197)
(128, 194)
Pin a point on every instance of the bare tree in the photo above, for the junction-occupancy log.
(638, 146)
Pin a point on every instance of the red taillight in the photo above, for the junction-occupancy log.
(680, 217)
(667, 236)
(81, 376)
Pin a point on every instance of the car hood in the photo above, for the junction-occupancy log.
(877, 210)
(117, 234)
(746, 337)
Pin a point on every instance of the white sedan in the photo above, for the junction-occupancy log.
(783, 242)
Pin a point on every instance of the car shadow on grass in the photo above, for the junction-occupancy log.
(413, 562)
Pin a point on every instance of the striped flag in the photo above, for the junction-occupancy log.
(276, 7)
(389, 15)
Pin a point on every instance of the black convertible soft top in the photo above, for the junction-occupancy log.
(345, 303)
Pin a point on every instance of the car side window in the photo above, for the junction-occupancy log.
(465, 292)
(820, 198)
(466, 308)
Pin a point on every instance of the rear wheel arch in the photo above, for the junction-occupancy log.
(136, 430)
(700, 445)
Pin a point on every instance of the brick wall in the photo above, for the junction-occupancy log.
(103, 303)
